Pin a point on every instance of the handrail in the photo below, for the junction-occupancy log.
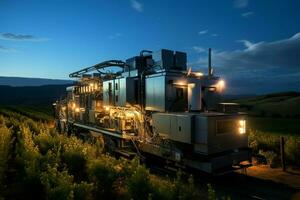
(108, 63)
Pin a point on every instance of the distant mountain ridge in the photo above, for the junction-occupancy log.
(22, 81)
(32, 95)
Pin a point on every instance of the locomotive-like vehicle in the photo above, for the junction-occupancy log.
(151, 105)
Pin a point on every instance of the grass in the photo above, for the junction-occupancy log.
(277, 113)
(278, 126)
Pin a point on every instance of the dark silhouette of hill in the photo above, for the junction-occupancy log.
(32, 95)
(21, 81)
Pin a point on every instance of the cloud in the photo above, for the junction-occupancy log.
(7, 49)
(260, 66)
(240, 3)
(202, 32)
(137, 6)
(20, 37)
(247, 14)
(198, 49)
(215, 35)
(115, 36)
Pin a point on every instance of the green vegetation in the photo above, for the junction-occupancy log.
(271, 116)
(38, 163)
(268, 146)
(277, 113)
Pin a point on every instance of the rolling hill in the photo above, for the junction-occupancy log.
(31, 95)
(285, 104)
(21, 81)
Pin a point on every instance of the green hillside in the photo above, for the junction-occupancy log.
(284, 105)
(276, 113)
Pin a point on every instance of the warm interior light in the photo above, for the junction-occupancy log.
(198, 74)
(181, 83)
(221, 85)
(77, 109)
(242, 126)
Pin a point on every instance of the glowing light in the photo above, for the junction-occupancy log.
(73, 105)
(106, 108)
(221, 85)
(181, 83)
(198, 74)
(191, 85)
(77, 110)
(63, 108)
(242, 126)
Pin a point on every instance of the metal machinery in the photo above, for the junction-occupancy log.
(152, 105)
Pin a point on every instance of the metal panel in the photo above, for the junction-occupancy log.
(108, 93)
(161, 124)
(164, 58)
(155, 93)
(173, 126)
(181, 128)
(180, 60)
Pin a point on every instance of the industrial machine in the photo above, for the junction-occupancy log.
(153, 105)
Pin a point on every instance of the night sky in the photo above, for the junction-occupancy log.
(256, 44)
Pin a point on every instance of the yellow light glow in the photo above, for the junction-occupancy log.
(73, 105)
(129, 114)
(182, 83)
(63, 108)
(221, 85)
(106, 108)
(91, 84)
(198, 74)
(242, 126)
(77, 109)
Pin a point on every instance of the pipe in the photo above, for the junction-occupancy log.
(144, 51)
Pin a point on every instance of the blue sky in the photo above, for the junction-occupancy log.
(255, 43)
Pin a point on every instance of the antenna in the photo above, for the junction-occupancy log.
(209, 63)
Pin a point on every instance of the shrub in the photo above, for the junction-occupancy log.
(292, 150)
(102, 172)
(270, 157)
(60, 185)
(139, 185)
(5, 147)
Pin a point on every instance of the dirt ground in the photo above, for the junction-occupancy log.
(260, 182)
(290, 178)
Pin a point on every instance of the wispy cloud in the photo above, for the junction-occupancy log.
(247, 14)
(20, 37)
(7, 49)
(202, 32)
(261, 66)
(137, 6)
(240, 3)
(215, 35)
(115, 36)
(198, 49)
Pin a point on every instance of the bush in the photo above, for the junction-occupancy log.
(139, 185)
(60, 185)
(5, 147)
(270, 157)
(103, 173)
(292, 150)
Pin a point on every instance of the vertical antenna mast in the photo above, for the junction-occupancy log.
(209, 63)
